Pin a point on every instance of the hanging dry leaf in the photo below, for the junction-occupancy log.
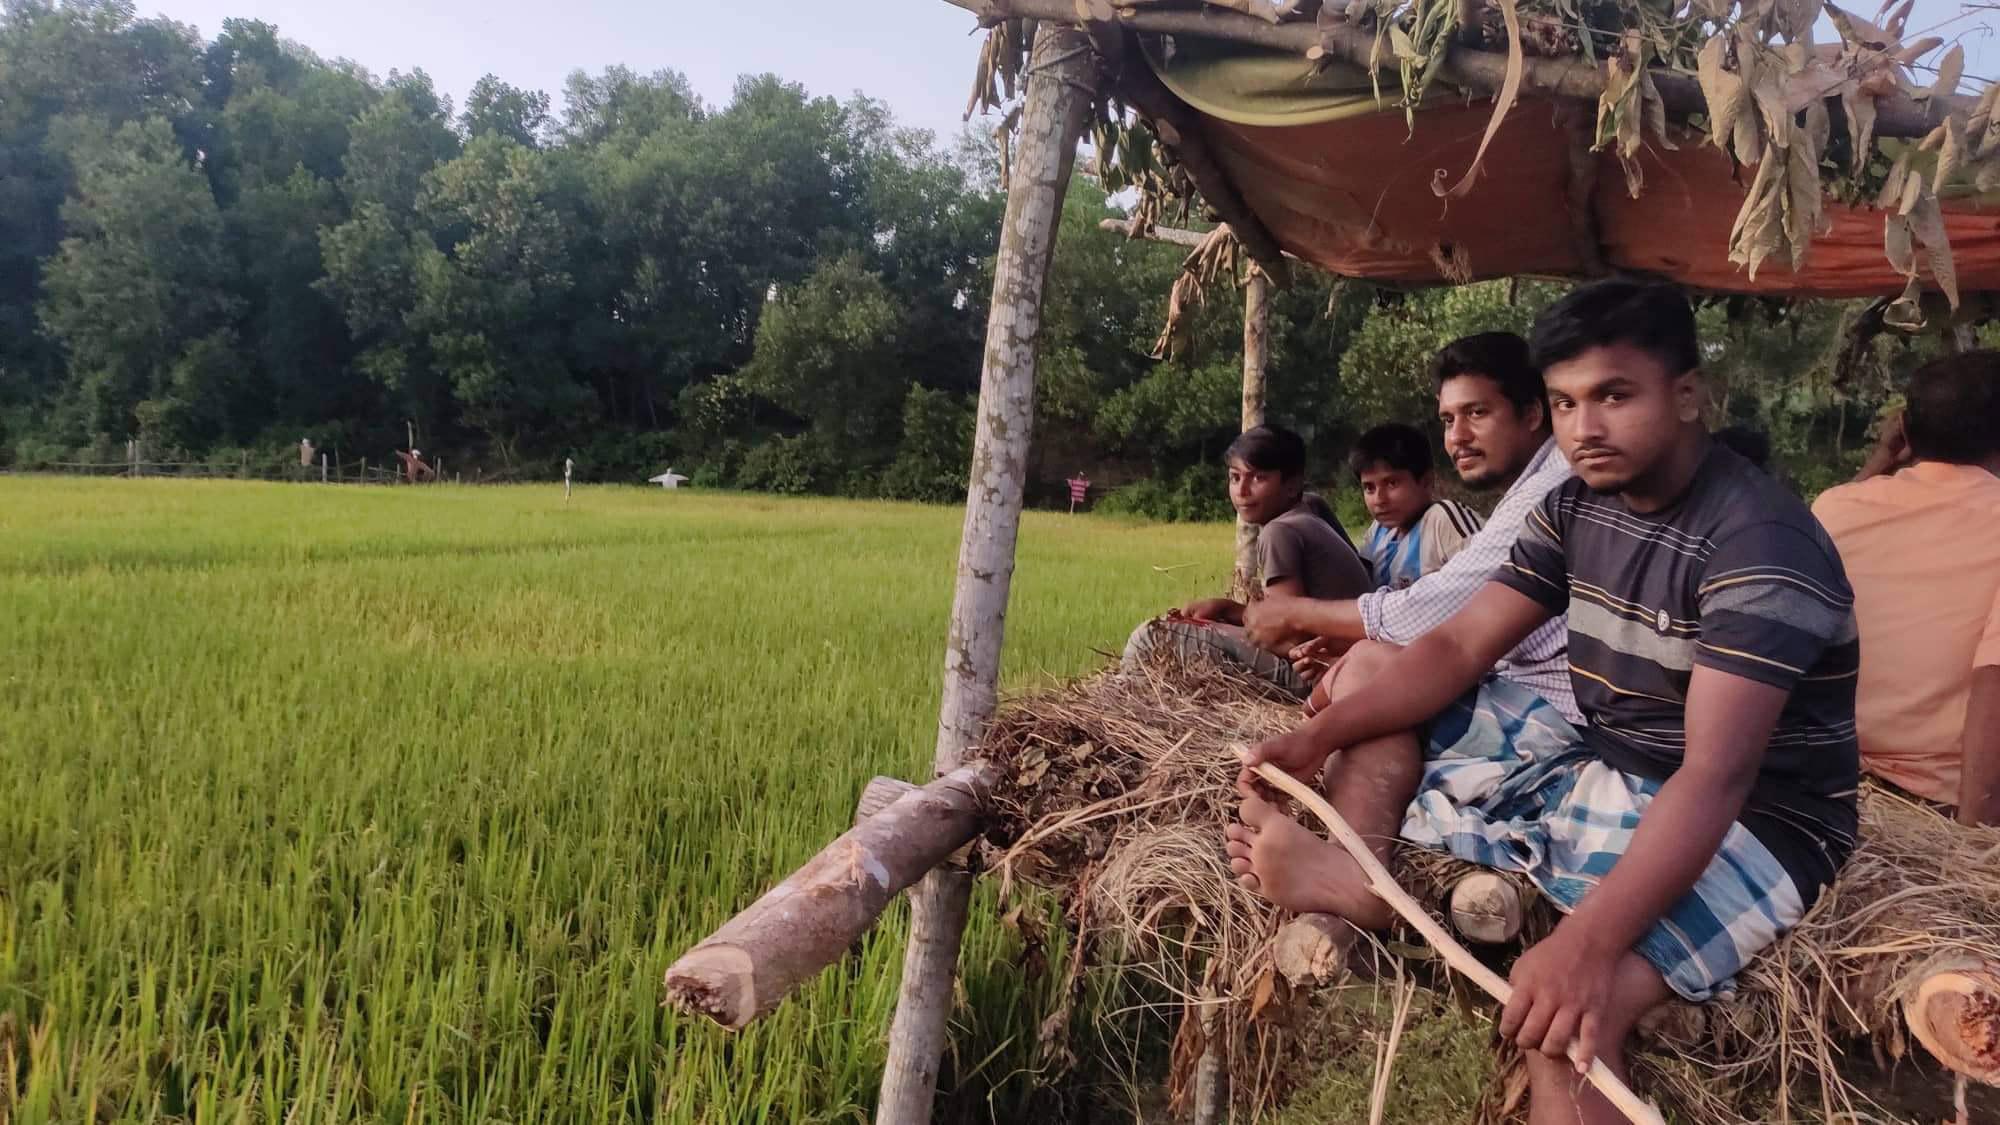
(1950, 69)
(1818, 126)
(1982, 133)
(1927, 223)
(1897, 244)
(1768, 92)
(1723, 90)
(1891, 196)
(1951, 153)
(1802, 204)
(1860, 109)
(1510, 88)
(1656, 110)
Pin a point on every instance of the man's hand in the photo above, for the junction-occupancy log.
(1296, 752)
(1268, 623)
(1561, 989)
(1213, 609)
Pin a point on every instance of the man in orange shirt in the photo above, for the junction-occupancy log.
(1919, 533)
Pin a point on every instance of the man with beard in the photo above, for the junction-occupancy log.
(1496, 431)
(1710, 795)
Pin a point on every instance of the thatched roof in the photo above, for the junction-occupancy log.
(1425, 141)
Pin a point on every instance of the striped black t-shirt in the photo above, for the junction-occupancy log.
(1738, 576)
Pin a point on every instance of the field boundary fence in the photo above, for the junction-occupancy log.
(327, 472)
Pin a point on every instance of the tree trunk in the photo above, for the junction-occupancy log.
(1256, 347)
(809, 921)
(1059, 99)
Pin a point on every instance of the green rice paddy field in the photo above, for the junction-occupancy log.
(336, 804)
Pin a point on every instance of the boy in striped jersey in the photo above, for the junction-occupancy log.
(1709, 795)
(1414, 532)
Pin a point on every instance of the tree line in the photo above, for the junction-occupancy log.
(216, 247)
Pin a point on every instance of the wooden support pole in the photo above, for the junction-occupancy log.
(807, 922)
(1062, 87)
(1256, 347)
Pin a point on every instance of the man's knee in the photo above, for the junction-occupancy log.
(1363, 662)
(1140, 646)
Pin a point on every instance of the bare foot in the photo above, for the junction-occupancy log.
(1274, 856)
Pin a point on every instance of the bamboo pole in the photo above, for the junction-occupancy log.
(1384, 885)
(1256, 349)
(809, 921)
(1062, 88)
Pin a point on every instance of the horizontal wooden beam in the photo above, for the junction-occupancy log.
(1482, 71)
(809, 921)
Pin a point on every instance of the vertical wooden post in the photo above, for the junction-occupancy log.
(1061, 88)
(1256, 346)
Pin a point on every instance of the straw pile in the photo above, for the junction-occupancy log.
(1115, 794)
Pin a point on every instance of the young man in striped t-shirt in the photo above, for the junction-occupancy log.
(1710, 794)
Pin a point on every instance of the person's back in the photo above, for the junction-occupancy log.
(1306, 544)
(1922, 551)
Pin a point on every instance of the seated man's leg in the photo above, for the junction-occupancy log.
(1369, 784)
(1190, 642)
(1558, 1095)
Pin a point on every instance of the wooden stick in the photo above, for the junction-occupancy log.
(1635, 1108)
(810, 920)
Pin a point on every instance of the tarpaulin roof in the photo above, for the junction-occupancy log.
(1344, 181)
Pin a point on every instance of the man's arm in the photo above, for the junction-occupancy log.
(1979, 773)
(1428, 675)
(1286, 615)
(1562, 983)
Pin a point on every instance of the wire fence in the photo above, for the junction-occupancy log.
(327, 473)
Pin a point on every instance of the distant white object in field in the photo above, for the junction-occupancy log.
(568, 466)
(668, 479)
(305, 453)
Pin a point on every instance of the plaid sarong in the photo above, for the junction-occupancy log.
(1509, 783)
(1186, 643)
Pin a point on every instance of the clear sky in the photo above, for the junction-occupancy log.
(916, 55)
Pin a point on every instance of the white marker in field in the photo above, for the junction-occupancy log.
(569, 466)
(668, 479)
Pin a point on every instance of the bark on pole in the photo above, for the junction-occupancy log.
(1256, 346)
(1062, 86)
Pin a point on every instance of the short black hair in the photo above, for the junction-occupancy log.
(1392, 444)
(1651, 316)
(1953, 409)
(1270, 449)
(1500, 356)
(1750, 444)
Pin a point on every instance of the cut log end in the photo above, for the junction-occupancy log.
(1954, 1011)
(716, 981)
(1486, 907)
(1312, 949)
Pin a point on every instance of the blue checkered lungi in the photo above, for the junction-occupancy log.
(1510, 784)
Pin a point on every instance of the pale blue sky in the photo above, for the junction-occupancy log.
(914, 54)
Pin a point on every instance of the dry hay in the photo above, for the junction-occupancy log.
(1115, 793)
